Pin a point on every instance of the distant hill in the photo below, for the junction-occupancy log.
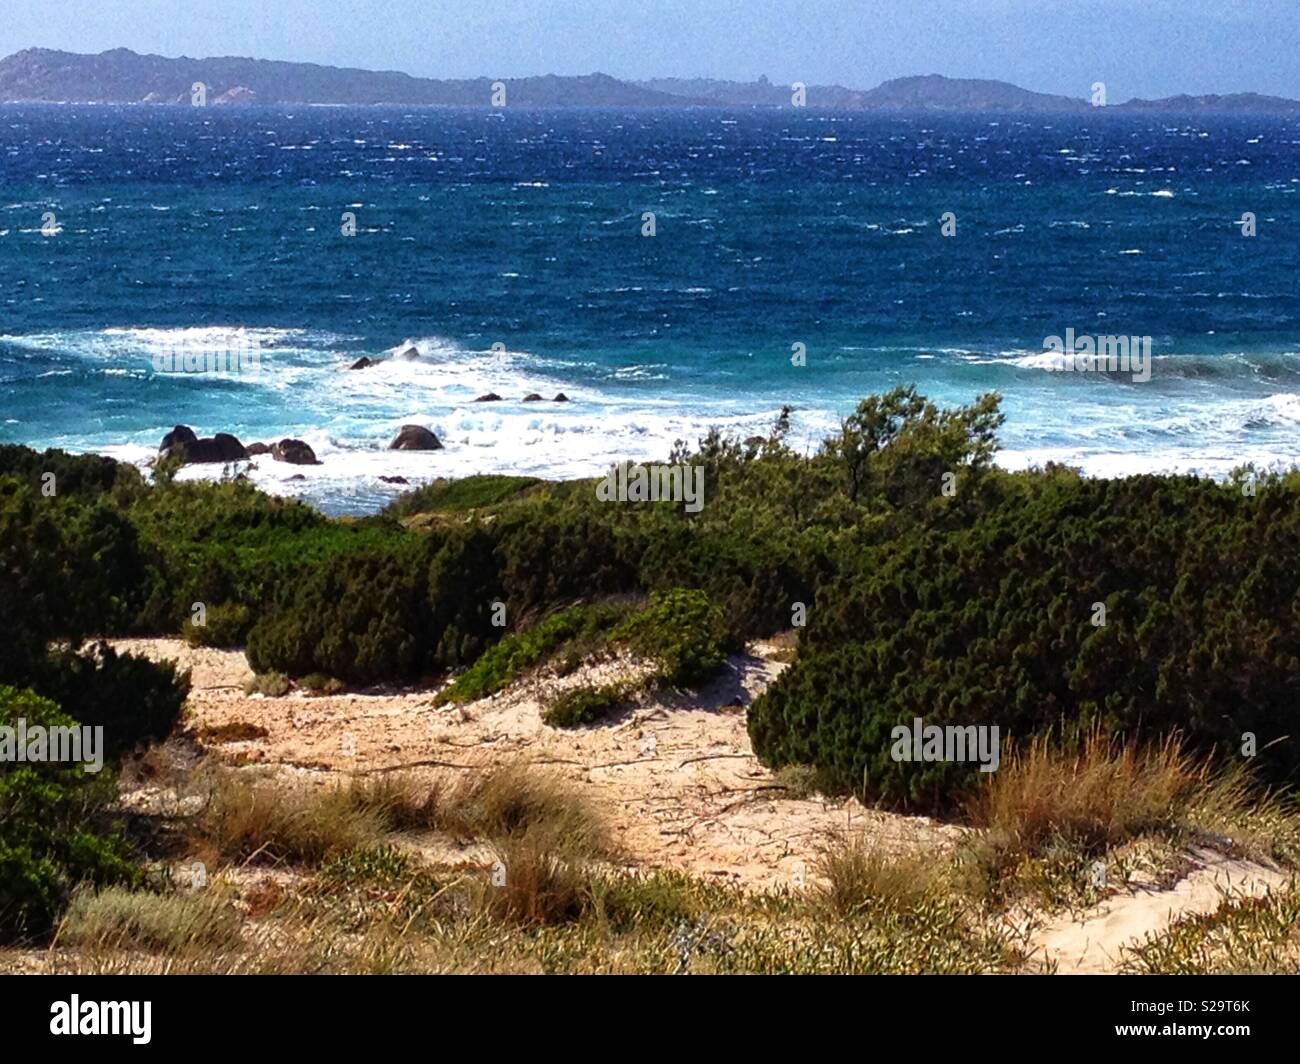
(761, 93)
(1235, 103)
(934, 92)
(124, 76)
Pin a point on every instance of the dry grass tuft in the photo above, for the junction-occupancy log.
(1093, 793)
(855, 877)
(116, 918)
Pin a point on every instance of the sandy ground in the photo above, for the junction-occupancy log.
(1092, 944)
(675, 777)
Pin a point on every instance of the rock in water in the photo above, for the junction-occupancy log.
(415, 438)
(258, 448)
(181, 434)
(560, 398)
(362, 363)
(222, 447)
(491, 397)
(294, 451)
(532, 397)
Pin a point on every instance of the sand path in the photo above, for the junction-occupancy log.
(1093, 944)
(675, 777)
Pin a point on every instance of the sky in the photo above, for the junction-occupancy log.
(1136, 47)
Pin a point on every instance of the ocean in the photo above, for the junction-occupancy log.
(507, 247)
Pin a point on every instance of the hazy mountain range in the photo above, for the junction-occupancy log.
(123, 76)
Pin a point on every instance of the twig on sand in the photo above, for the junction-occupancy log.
(709, 757)
(426, 763)
(615, 764)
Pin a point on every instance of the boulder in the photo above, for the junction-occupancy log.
(258, 448)
(181, 434)
(410, 352)
(415, 438)
(222, 447)
(532, 397)
(560, 398)
(394, 480)
(362, 363)
(294, 451)
(491, 397)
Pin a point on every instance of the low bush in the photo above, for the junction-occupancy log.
(57, 827)
(681, 630)
(1145, 606)
(578, 706)
(226, 624)
(133, 699)
(579, 630)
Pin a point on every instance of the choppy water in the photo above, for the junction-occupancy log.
(220, 231)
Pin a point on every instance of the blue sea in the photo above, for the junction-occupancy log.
(507, 248)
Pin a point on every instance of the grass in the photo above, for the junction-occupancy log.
(232, 732)
(1242, 936)
(247, 819)
(552, 914)
(1056, 810)
(117, 918)
(853, 877)
(1095, 792)
(801, 781)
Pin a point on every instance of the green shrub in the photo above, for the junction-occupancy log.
(584, 705)
(226, 624)
(683, 631)
(993, 624)
(89, 475)
(133, 699)
(318, 684)
(358, 617)
(459, 496)
(271, 684)
(56, 827)
(576, 630)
